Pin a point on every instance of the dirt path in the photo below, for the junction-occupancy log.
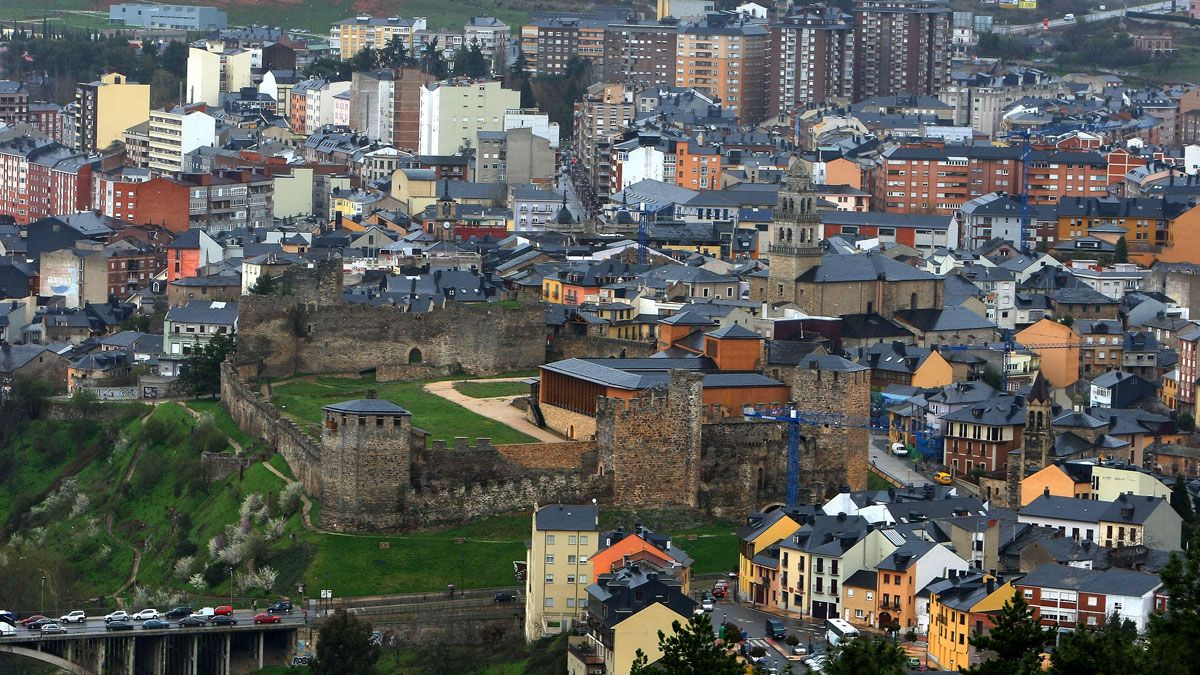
(498, 408)
(237, 447)
(108, 520)
(306, 509)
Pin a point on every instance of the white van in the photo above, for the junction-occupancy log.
(7, 629)
(1068, 17)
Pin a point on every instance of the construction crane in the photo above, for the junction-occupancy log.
(1009, 347)
(795, 419)
(1025, 156)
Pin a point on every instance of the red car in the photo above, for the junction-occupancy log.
(223, 610)
(28, 620)
(264, 617)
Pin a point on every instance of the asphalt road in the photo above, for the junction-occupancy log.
(1093, 16)
(753, 623)
(95, 626)
(897, 467)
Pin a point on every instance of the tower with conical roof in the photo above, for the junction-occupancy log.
(795, 244)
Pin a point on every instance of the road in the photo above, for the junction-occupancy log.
(1093, 16)
(753, 622)
(565, 184)
(896, 467)
(94, 627)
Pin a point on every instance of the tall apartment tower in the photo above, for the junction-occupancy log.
(901, 47)
(810, 59)
(640, 52)
(724, 57)
(557, 571)
(795, 244)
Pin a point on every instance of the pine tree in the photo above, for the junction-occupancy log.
(1121, 253)
(1112, 650)
(345, 647)
(1173, 641)
(1016, 641)
(875, 655)
(1181, 500)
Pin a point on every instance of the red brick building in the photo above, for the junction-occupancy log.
(57, 180)
(221, 200)
(937, 178)
(979, 436)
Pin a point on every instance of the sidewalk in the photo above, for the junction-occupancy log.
(498, 409)
(897, 467)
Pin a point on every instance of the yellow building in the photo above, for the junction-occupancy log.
(415, 188)
(626, 611)
(763, 530)
(959, 607)
(557, 571)
(934, 371)
(1113, 481)
(1169, 389)
(1058, 480)
(107, 107)
(350, 36)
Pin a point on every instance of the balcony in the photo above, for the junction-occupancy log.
(583, 650)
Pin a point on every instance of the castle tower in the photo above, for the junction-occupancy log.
(834, 455)
(651, 445)
(366, 460)
(796, 235)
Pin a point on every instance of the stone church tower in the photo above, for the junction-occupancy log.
(796, 240)
(1037, 441)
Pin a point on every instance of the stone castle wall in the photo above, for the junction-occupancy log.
(597, 347)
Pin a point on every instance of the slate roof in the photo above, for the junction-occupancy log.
(209, 312)
(872, 326)
(15, 357)
(1065, 508)
(1003, 410)
(862, 267)
(734, 332)
(946, 319)
(1107, 582)
(569, 517)
(367, 406)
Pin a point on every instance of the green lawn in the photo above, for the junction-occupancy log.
(877, 482)
(1183, 68)
(492, 389)
(302, 400)
(714, 549)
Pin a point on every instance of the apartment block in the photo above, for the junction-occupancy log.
(350, 36)
(640, 52)
(313, 104)
(491, 34)
(174, 133)
(599, 118)
(549, 44)
(14, 102)
(725, 58)
(454, 112)
(557, 572)
(213, 68)
(106, 108)
(809, 59)
(40, 178)
(215, 202)
(901, 47)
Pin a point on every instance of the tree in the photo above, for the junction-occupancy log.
(432, 61)
(1173, 640)
(329, 68)
(1181, 499)
(469, 61)
(1112, 650)
(690, 650)
(201, 372)
(264, 285)
(345, 647)
(876, 655)
(1016, 641)
(1187, 422)
(394, 54)
(993, 379)
(365, 59)
(1121, 252)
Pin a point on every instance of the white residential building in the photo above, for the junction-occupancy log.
(212, 70)
(176, 132)
(453, 113)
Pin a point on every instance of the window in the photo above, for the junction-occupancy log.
(583, 542)
(1028, 593)
(549, 578)
(570, 578)
(570, 602)
(549, 540)
(583, 560)
(549, 602)
(571, 540)
(849, 592)
(583, 578)
(570, 560)
(549, 558)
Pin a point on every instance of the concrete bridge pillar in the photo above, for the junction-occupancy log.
(194, 661)
(228, 650)
(261, 639)
(101, 648)
(130, 646)
(158, 656)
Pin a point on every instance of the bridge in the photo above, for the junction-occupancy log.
(90, 649)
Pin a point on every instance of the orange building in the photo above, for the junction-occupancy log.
(725, 59)
(1061, 479)
(1057, 346)
(697, 167)
(656, 551)
(1155, 229)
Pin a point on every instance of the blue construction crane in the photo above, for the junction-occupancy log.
(797, 418)
(1025, 155)
(643, 240)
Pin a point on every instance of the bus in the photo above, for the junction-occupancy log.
(838, 631)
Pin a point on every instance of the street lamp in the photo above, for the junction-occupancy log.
(231, 586)
(42, 597)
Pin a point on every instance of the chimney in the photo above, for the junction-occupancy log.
(991, 586)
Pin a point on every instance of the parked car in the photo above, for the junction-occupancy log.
(223, 609)
(707, 604)
(266, 617)
(118, 625)
(504, 597)
(145, 614)
(206, 612)
(155, 624)
(78, 616)
(223, 620)
(193, 621)
(118, 615)
(30, 619)
(817, 663)
(799, 650)
(7, 629)
(52, 628)
(180, 612)
(943, 478)
(899, 450)
(281, 606)
(37, 625)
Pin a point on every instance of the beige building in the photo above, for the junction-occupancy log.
(557, 568)
(350, 36)
(107, 107)
(212, 70)
(1111, 481)
(453, 113)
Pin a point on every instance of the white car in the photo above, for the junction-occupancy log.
(118, 615)
(7, 629)
(145, 615)
(899, 450)
(817, 663)
(78, 616)
(206, 612)
(707, 604)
